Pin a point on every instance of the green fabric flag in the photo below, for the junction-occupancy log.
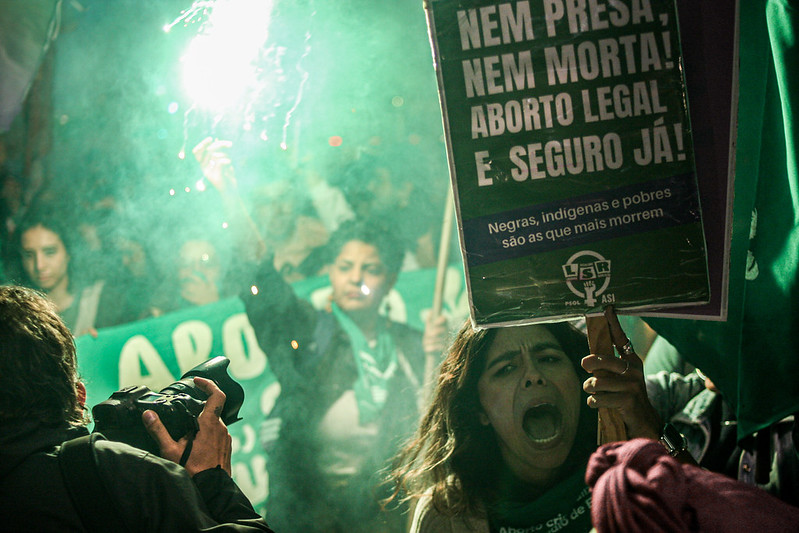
(753, 356)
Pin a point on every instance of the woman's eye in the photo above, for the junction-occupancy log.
(505, 369)
(550, 359)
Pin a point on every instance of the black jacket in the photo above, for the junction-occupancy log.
(151, 494)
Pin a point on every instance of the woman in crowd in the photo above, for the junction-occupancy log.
(351, 381)
(505, 442)
(45, 253)
(351, 378)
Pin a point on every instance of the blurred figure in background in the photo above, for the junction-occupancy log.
(199, 272)
(291, 228)
(196, 271)
(395, 185)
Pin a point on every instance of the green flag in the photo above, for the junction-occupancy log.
(753, 356)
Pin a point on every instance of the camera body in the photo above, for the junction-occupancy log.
(178, 406)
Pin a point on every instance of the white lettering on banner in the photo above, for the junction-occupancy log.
(584, 16)
(137, 353)
(486, 76)
(528, 114)
(250, 440)
(656, 144)
(192, 341)
(512, 225)
(566, 156)
(247, 360)
(618, 102)
(588, 61)
(515, 26)
(483, 163)
(252, 478)
(269, 397)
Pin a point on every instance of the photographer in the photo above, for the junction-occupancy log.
(42, 406)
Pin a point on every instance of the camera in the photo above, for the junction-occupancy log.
(178, 406)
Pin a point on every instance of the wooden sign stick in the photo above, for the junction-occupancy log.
(611, 426)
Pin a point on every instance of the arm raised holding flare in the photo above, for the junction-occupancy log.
(280, 218)
(217, 167)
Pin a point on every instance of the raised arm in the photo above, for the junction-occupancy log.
(217, 167)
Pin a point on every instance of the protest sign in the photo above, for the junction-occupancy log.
(155, 352)
(571, 156)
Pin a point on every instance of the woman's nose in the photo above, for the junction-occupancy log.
(532, 376)
(356, 275)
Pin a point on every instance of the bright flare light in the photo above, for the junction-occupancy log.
(219, 66)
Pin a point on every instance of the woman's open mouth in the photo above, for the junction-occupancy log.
(542, 423)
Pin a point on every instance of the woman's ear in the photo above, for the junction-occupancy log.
(483, 418)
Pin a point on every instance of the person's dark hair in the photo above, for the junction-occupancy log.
(50, 220)
(38, 366)
(452, 452)
(369, 232)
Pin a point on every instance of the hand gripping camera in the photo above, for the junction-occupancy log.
(178, 406)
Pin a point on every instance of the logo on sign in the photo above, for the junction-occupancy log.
(587, 275)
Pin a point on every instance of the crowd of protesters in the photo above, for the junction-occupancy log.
(106, 257)
(102, 263)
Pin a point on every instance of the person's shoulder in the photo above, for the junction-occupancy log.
(428, 519)
(116, 458)
(676, 381)
(670, 392)
(137, 479)
(113, 450)
(404, 330)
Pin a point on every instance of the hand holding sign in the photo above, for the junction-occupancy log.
(617, 384)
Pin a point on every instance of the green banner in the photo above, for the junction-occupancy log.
(571, 156)
(156, 352)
